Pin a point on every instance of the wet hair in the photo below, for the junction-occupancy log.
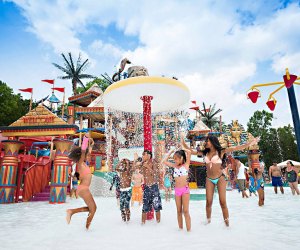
(216, 144)
(237, 158)
(76, 175)
(149, 153)
(139, 159)
(75, 154)
(291, 163)
(181, 153)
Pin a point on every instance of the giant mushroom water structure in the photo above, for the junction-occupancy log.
(158, 94)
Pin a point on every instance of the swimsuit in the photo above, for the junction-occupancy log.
(178, 172)
(137, 194)
(291, 176)
(216, 160)
(125, 196)
(260, 184)
(167, 182)
(277, 181)
(151, 198)
(81, 187)
(182, 171)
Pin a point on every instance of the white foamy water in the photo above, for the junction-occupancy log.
(38, 225)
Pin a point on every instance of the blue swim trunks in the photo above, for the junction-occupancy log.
(151, 198)
(277, 181)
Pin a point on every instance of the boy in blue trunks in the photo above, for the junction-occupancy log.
(125, 188)
(151, 197)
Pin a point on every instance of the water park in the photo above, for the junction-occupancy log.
(131, 159)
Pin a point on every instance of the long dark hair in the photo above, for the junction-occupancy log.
(181, 153)
(216, 144)
(291, 163)
(75, 154)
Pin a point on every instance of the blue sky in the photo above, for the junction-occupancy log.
(217, 48)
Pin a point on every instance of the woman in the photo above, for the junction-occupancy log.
(182, 193)
(78, 155)
(215, 159)
(292, 177)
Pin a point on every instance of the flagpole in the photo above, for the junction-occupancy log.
(30, 105)
(63, 106)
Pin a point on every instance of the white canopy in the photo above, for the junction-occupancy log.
(283, 164)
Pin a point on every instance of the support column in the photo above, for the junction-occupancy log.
(147, 122)
(8, 171)
(59, 173)
(295, 115)
(147, 133)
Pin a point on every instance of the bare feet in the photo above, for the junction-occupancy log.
(69, 215)
(88, 222)
(226, 222)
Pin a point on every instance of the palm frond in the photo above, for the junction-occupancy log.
(82, 67)
(67, 63)
(61, 68)
(71, 60)
(78, 61)
(80, 82)
(65, 77)
(82, 76)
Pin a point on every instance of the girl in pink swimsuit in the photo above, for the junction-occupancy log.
(78, 155)
(182, 192)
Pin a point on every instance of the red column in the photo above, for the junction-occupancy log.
(147, 133)
(147, 122)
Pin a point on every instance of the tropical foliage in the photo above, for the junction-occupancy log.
(74, 72)
(12, 106)
(209, 116)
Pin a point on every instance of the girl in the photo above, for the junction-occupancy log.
(182, 193)
(78, 155)
(167, 185)
(215, 159)
(292, 178)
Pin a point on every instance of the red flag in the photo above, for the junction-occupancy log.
(27, 90)
(194, 102)
(59, 89)
(48, 81)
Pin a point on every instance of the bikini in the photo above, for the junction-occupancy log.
(178, 172)
(86, 171)
(214, 160)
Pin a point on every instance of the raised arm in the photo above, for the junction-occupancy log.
(188, 157)
(165, 159)
(185, 146)
(241, 147)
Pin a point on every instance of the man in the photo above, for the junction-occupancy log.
(276, 175)
(240, 176)
(125, 188)
(137, 190)
(151, 197)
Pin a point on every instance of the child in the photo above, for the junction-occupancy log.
(182, 192)
(116, 182)
(137, 190)
(75, 179)
(252, 189)
(167, 185)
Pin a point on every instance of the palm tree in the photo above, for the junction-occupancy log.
(208, 115)
(74, 73)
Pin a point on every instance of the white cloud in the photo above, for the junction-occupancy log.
(212, 46)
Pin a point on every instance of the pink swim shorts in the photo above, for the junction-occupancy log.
(181, 191)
